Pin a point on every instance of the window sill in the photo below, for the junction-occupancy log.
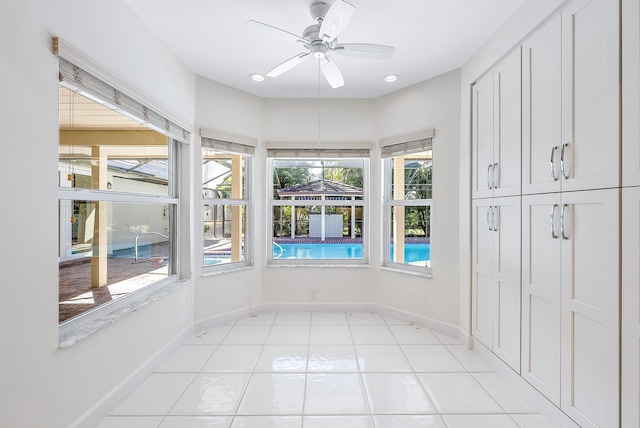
(317, 265)
(425, 274)
(70, 337)
(207, 272)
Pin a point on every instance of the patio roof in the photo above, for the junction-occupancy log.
(321, 188)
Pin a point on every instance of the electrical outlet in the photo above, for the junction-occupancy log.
(314, 294)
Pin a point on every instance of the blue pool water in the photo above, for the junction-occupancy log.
(412, 252)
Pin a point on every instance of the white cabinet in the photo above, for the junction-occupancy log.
(541, 293)
(571, 100)
(631, 93)
(507, 120)
(630, 214)
(496, 130)
(631, 307)
(590, 232)
(590, 151)
(565, 81)
(570, 302)
(482, 137)
(496, 276)
(541, 104)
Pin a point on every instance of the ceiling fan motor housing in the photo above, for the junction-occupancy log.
(319, 10)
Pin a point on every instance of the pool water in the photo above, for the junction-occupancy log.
(412, 252)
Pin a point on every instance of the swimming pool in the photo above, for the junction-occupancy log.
(412, 252)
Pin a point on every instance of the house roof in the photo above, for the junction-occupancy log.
(320, 188)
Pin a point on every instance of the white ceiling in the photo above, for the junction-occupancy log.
(431, 37)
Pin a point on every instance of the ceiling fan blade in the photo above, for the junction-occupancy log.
(279, 32)
(336, 20)
(331, 72)
(364, 50)
(288, 64)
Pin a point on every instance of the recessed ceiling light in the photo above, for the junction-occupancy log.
(257, 77)
(391, 78)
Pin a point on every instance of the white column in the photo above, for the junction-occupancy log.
(322, 220)
(353, 219)
(398, 212)
(293, 219)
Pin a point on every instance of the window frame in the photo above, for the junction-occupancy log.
(136, 105)
(318, 154)
(389, 153)
(248, 153)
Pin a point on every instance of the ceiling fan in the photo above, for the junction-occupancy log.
(320, 40)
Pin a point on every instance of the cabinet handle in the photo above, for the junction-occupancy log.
(562, 170)
(493, 220)
(495, 182)
(562, 230)
(489, 177)
(489, 221)
(553, 169)
(554, 235)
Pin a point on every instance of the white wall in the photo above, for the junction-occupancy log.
(434, 103)
(529, 16)
(229, 112)
(343, 123)
(42, 385)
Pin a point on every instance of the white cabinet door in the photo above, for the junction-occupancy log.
(507, 140)
(506, 280)
(630, 93)
(482, 137)
(590, 232)
(590, 152)
(631, 307)
(496, 276)
(541, 104)
(541, 293)
(482, 255)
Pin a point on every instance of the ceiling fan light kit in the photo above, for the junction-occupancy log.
(320, 40)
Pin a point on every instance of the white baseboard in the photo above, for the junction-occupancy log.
(227, 317)
(317, 307)
(101, 409)
(538, 400)
(430, 323)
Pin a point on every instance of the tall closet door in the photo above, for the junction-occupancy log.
(482, 137)
(631, 307)
(590, 95)
(507, 139)
(482, 256)
(541, 104)
(630, 93)
(541, 293)
(590, 229)
(506, 280)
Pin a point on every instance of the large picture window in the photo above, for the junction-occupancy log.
(318, 206)
(408, 190)
(226, 169)
(117, 196)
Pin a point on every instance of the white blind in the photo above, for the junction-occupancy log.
(407, 148)
(287, 153)
(228, 146)
(78, 80)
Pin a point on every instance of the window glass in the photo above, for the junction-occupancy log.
(115, 248)
(318, 210)
(408, 218)
(116, 206)
(225, 207)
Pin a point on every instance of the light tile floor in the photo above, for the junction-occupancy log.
(324, 369)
